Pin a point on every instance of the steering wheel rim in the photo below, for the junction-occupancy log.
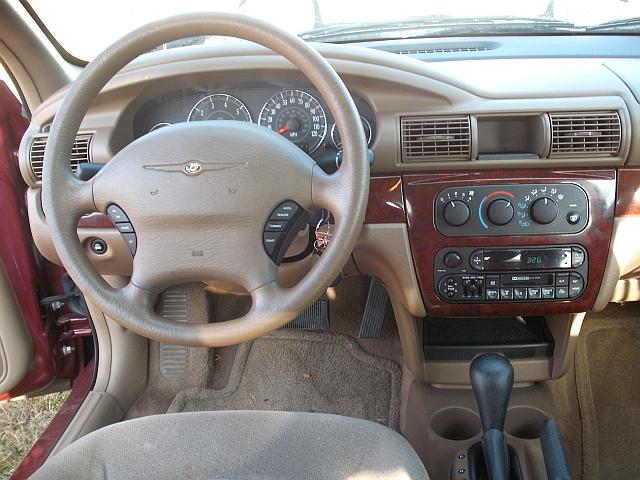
(344, 193)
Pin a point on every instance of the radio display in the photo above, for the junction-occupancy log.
(527, 259)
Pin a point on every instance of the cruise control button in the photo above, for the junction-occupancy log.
(492, 293)
(506, 293)
(562, 292)
(284, 211)
(270, 239)
(547, 292)
(520, 293)
(131, 241)
(275, 226)
(125, 227)
(534, 293)
(116, 214)
(577, 257)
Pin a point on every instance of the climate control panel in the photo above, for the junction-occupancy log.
(519, 274)
(525, 209)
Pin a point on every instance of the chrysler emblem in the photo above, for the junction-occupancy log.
(193, 168)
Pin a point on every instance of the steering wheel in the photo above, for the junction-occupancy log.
(198, 195)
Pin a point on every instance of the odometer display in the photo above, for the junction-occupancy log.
(297, 116)
(219, 106)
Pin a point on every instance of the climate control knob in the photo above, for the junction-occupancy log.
(543, 211)
(456, 213)
(500, 211)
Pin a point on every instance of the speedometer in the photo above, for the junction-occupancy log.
(297, 116)
(219, 106)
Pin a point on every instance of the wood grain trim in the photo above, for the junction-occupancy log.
(421, 190)
(386, 202)
(628, 196)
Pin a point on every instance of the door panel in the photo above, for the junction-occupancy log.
(19, 270)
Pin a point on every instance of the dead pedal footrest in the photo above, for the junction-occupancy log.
(374, 310)
(314, 317)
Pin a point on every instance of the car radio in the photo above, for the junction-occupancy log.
(514, 274)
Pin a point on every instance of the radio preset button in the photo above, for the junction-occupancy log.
(547, 292)
(506, 293)
(492, 294)
(519, 293)
(534, 293)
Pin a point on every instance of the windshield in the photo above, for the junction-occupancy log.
(86, 28)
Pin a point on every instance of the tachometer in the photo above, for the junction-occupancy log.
(335, 134)
(219, 106)
(297, 116)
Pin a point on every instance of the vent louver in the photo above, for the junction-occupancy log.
(432, 51)
(585, 134)
(79, 154)
(435, 138)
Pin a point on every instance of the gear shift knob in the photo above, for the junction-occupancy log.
(492, 380)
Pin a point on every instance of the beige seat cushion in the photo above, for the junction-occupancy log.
(239, 445)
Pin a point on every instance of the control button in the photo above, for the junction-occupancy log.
(534, 293)
(452, 260)
(562, 292)
(269, 240)
(543, 211)
(577, 257)
(492, 294)
(284, 211)
(275, 226)
(456, 213)
(98, 246)
(547, 292)
(116, 214)
(520, 293)
(500, 211)
(125, 227)
(493, 281)
(573, 218)
(562, 279)
(576, 284)
(131, 241)
(506, 293)
(477, 260)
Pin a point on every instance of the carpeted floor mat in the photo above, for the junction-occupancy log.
(304, 372)
(608, 385)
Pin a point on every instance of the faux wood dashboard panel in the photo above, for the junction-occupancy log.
(386, 204)
(421, 190)
(628, 198)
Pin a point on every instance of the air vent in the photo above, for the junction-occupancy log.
(432, 51)
(585, 134)
(80, 153)
(435, 138)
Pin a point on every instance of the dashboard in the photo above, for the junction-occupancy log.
(294, 110)
(549, 147)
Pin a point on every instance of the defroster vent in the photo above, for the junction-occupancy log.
(435, 138)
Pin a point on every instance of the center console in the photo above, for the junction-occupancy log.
(510, 242)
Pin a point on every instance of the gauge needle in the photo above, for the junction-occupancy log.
(283, 130)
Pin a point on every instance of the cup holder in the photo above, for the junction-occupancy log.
(524, 422)
(456, 423)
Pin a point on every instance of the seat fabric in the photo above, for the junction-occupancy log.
(239, 445)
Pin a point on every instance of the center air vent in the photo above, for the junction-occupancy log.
(80, 153)
(435, 138)
(585, 134)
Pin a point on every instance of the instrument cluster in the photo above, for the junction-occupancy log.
(294, 111)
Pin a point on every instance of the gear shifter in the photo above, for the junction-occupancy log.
(492, 380)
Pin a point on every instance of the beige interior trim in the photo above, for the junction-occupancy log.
(16, 348)
(624, 258)
(565, 330)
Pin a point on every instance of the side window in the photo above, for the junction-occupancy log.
(6, 78)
